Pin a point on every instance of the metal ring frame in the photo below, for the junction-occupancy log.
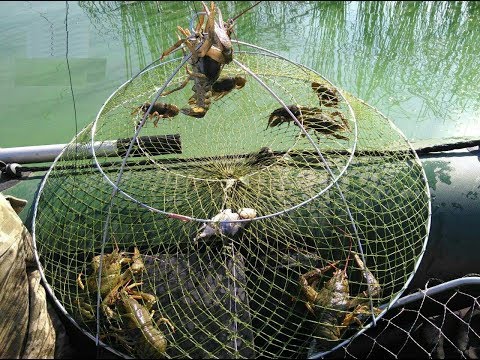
(397, 299)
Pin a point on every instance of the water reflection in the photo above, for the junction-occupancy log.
(438, 171)
(146, 28)
(415, 61)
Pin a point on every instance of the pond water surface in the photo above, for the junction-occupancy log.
(417, 62)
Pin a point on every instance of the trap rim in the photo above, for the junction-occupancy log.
(391, 304)
(333, 181)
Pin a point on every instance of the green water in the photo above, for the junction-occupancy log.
(417, 62)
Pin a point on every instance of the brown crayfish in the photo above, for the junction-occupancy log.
(334, 308)
(159, 111)
(321, 121)
(140, 334)
(112, 279)
(211, 49)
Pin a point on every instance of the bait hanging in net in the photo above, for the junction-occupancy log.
(274, 216)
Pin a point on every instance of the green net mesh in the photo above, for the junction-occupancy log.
(438, 322)
(325, 204)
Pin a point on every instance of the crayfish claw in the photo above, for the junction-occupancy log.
(374, 288)
(168, 322)
(80, 282)
(196, 111)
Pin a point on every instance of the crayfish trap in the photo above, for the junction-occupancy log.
(284, 221)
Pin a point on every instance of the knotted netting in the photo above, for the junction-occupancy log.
(439, 321)
(227, 231)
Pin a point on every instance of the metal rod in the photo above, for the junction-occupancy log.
(48, 153)
(154, 145)
(470, 280)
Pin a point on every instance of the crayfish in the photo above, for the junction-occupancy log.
(327, 96)
(321, 121)
(117, 293)
(148, 340)
(224, 85)
(159, 111)
(211, 49)
(112, 278)
(333, 306)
